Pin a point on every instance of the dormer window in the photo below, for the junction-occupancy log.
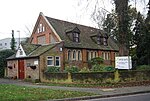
(100, 38)
(75, 37)
(73, 34)
(105, 41)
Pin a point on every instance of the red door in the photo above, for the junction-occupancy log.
(21, 69)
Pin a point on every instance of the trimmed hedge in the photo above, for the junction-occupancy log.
(92, 77)
(56, 76)
(100, 77)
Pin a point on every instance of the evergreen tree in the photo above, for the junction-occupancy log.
(13, 46)
(3, 62)
(139, 38)
(123, 21)
(142, 38)
(147, 36)
(111, 24)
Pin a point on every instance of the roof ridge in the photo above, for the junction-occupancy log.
(73, 23)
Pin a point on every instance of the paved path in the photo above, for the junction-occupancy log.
(99, 91)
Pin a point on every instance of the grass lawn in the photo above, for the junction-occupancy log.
(19, 93)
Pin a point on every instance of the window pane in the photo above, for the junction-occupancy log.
(50, 62)
(79, 54)
(69, 55)
(74, 55)
(49, 57)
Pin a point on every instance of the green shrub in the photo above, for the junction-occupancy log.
(96, 61)
(143, 67)
(102, 68)
(85, 69)
(72, 69)
(97, 68)
(3, 62)
(109, 68)
(53, 69)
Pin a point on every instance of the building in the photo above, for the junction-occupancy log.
(6, 43)
(60, 43)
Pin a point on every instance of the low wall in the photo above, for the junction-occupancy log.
(99, 77)
(131, 76)
(92, 77)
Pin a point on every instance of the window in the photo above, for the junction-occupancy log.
(69, 54)
(5, 44)
(50, 61)
(95, 54)
(41, 39)
(88, 55)
(105, 41)
(79, 55)
(106, 55)
(57, 61)
(38, 30)
(21, 52)
(43, 28)
(75, 37)
(91, 55)
(74, 55)
(99, 40)
(0, 44)
(40, 27)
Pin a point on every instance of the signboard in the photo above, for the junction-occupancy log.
(123, 62)
(36, 62)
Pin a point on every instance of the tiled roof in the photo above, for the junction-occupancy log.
(28, 48)
(85, 35)
(41, 49)
(33, 50)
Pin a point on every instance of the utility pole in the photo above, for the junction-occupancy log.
(19, 36)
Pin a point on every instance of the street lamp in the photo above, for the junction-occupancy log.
(19, 36)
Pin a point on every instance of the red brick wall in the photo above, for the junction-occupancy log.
(47, 33)
(84, 62)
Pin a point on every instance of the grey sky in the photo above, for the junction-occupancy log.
(17, 14)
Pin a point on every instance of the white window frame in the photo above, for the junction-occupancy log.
(58, 60)
(74, 55)
(43, 28)
(50, 59)
(79, 55)
(38, 30)
(40, 27)
(69, 55)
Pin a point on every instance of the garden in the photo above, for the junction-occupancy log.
(99, 75)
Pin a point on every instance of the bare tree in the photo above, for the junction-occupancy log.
(121, 7)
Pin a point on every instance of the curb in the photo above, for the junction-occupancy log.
(98, 96)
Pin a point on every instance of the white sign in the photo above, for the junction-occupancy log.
(36, 62)
(123, 62)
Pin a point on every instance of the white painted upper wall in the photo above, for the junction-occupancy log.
(20, 52)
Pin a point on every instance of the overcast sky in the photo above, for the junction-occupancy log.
(18, 14)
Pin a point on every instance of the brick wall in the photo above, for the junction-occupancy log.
(47, 34)
(43, 59)
(13, 72)
(29, 72)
